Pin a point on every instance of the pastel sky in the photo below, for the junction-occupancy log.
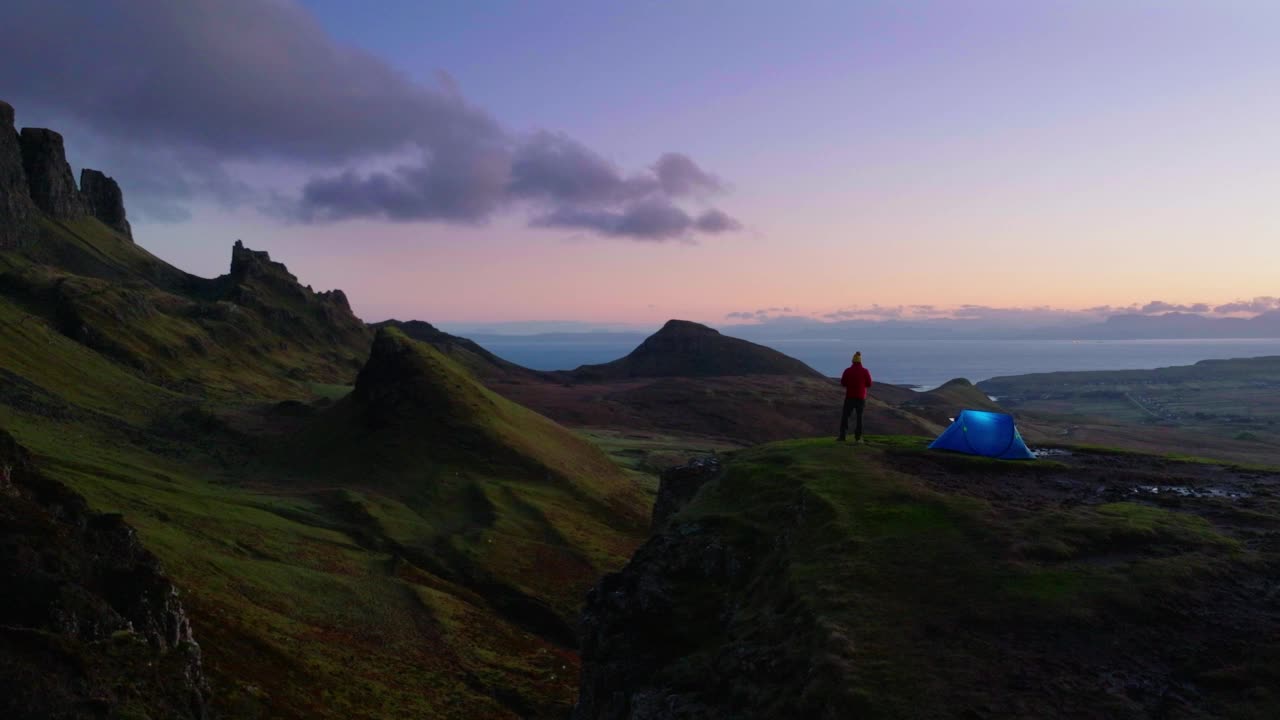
(466, 162)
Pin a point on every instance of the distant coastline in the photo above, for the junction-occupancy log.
(917, 363)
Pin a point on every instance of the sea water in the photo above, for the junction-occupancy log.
(921, 363)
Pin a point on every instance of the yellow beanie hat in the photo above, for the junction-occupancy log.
(857, 357)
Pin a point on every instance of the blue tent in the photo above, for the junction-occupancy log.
(989, 434)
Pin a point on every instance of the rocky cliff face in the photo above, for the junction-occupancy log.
(36, 178)
(90, 626)
(682, 592)
(679, 632)
(49, 178)
(17, 212)
(103, 200)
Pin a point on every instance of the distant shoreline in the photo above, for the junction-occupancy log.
(918, 364)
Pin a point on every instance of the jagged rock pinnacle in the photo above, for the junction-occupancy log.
(103, 199)
(49, 179)
(17, 212)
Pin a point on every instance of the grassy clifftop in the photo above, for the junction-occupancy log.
(887, 581)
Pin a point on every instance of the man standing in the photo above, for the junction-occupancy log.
(855, 380)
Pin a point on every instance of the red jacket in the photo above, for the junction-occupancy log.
(856, 380)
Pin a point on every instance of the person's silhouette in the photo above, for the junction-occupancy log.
(856, 380)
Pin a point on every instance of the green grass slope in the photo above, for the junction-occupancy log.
(439, 585)
(467, 353)
(487, 492)
(87, 247)
(887, 581)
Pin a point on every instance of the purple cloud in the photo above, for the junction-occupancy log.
(1160, 306)
(715, 221)
(681, 176)
(878, 312)
(201, 85)
(1255, 306)
(654, 219)
(764, 314)
(553, 166)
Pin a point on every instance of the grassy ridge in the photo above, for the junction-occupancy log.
(484, 489)
(261, 335)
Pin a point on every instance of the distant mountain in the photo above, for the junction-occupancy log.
(1177, 325)
(1130, 326)
(687, 349)
(1261, 369)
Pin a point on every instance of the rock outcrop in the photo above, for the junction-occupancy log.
(90, 626)
(17, 212)
(103, 200)
(288, 307)
(678, 485)
(255, 267)
(36, 178)
(680, 591)
(49, 178)
(246, 263)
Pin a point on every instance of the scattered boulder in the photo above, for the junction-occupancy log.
(103, 200)
(49, 178)
(17, 212)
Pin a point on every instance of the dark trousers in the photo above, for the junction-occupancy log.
(851, 405)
